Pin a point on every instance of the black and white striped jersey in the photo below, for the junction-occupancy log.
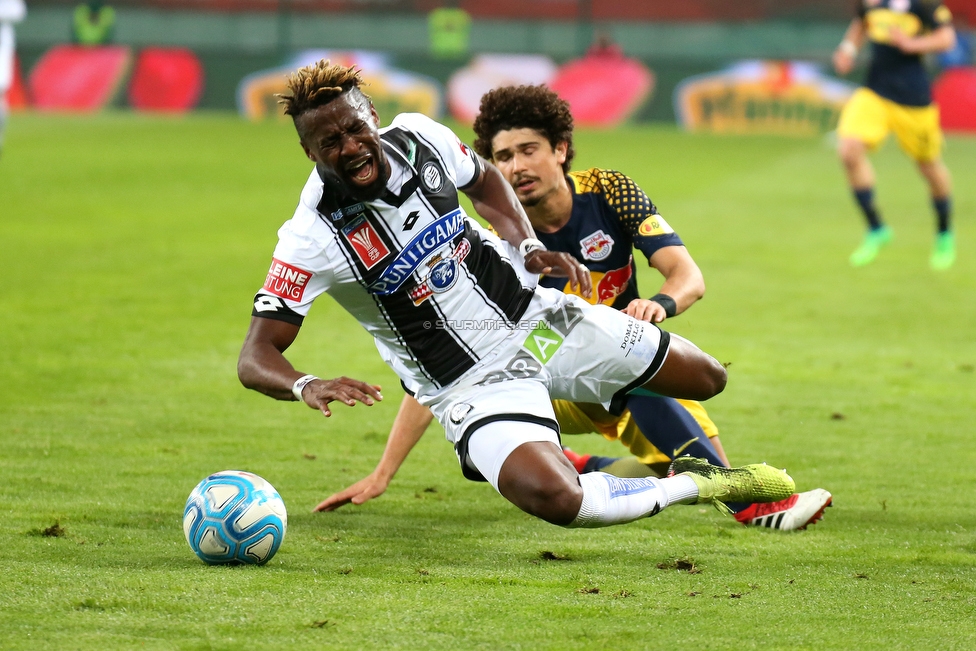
(435, 289)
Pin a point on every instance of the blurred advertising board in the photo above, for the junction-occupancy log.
(603, 89)
(488, 71)
(392, 90)
(786, 97)
(955, 93)
(84, 79)
(650, 10)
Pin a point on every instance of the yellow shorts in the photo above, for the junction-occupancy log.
(588, 418)
(868, 117)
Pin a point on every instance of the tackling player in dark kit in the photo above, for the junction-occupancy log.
(896, 97)
(598, 216)
(379, 227)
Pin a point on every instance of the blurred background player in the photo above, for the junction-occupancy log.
(896, 96)
(11, 12)
(93, 24)
(597, 216)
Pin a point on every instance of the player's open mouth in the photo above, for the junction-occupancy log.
(362, 171)
(525, 185)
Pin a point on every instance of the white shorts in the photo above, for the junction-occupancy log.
(488, 446)
(565, 348)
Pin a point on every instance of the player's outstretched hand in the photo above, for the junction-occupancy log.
(317, 394)
(558, 263)
(645, 310)
(362, 491)
(843, 61)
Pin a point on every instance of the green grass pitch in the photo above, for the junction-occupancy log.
(130, 249)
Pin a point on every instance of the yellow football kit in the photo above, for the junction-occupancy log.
(896, 95)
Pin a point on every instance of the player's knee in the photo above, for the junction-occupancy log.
(555, 500)
(714, 379)
(710, 381)
(850, 153)
(559, 504)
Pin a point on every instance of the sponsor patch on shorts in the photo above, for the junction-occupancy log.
(543, 343)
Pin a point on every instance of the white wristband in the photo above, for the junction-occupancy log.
(300, 385)
(848, 48)
(530, 244)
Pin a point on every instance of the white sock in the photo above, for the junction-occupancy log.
(681, 489)
(611, 500)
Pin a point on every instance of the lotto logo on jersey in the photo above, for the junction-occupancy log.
(286, 281)
(366, 243)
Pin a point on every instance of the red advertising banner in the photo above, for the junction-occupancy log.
(82, 79)
(955, 93)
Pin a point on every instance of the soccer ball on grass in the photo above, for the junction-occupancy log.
(234, 517)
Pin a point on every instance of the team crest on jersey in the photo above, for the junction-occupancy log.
(654, 225)
(431, 175)
(286, 281)
(597, 246)
(365, 242)
(444, 273)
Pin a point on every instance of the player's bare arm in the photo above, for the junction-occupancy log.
(263, 367)
(493, 198)
(846, 53)
(409, 426)
(941, 39)
(683, 283)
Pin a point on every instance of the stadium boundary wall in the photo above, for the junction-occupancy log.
(233, 45)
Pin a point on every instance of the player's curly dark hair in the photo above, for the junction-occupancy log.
(316, 85)
(524, 107)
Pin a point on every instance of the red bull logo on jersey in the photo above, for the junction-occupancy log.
(597, 246)
(606, 286)
(366, 243)
(286, 281)
(612, 284)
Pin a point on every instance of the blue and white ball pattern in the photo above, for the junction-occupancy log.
(234, 517)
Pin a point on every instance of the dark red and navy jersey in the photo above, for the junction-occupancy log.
(611, 217)
(894, 75)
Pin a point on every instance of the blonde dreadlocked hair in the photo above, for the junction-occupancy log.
(318, 84)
